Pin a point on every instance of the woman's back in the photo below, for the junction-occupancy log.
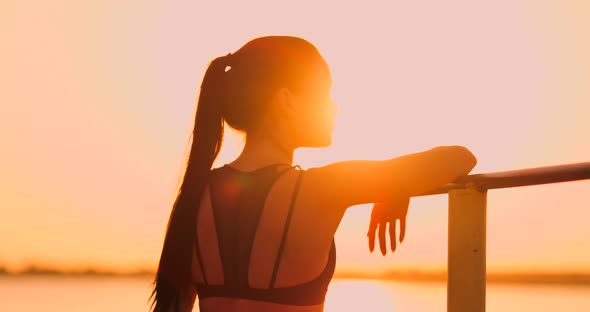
(252, 245)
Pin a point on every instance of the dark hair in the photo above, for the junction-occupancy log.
(237, 96)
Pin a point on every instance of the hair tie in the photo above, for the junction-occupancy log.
(228, 59)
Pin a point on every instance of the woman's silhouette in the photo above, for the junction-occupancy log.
(257, 234)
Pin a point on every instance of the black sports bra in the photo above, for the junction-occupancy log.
(236, 219)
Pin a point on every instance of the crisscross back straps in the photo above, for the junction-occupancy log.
(226, 267)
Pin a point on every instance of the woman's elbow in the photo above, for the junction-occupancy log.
(468, 160)
(460, 158)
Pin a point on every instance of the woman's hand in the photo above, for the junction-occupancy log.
(388, 212)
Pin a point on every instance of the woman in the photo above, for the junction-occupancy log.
(257, 234)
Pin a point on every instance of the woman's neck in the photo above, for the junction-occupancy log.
(263, 151)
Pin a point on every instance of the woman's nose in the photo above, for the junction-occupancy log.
(334, 107)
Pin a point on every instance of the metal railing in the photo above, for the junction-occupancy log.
(466, 262)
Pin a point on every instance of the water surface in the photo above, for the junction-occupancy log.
(129, 294)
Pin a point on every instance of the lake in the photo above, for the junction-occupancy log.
(129, 294)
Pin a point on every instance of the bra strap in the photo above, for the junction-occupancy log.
(286, 229)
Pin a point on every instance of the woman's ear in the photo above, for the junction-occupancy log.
(284, 103)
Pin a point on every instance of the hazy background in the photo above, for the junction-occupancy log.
(97, 102)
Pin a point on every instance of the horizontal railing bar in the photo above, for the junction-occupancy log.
(521, 177)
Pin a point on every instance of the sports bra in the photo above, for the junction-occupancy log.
(236, 218)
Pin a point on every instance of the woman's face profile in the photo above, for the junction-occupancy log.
(315, 111)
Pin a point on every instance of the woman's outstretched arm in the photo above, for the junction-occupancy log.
(348, 183)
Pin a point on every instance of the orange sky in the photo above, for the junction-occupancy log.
(97, 100)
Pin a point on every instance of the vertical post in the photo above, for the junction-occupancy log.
(466, 263)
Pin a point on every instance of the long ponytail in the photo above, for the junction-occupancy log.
(173, 277)
(240, 98)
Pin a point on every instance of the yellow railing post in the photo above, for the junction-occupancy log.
(466, 280)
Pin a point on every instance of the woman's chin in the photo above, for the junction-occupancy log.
(320, 142)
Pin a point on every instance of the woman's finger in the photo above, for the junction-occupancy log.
(382, 242)
(392, 238)
(402, 228)
(371, 241)
(371, 233)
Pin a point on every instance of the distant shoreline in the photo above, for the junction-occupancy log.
(572, 278)
(34, 271)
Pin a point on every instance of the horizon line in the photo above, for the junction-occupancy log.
(409, 275)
